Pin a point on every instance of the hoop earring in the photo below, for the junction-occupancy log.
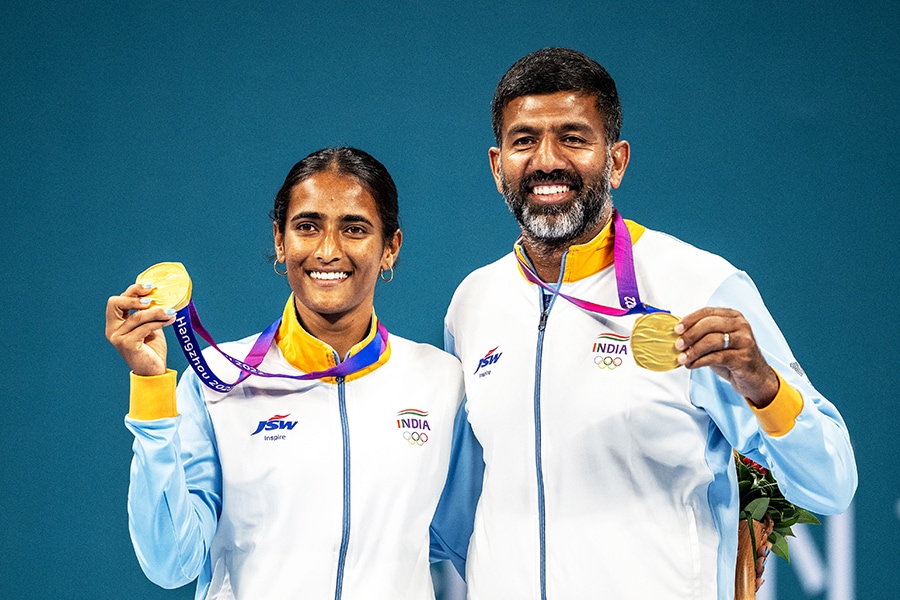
(275, 268)
(389, 279)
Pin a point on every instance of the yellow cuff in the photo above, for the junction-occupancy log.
(153, 397)
(779, 416)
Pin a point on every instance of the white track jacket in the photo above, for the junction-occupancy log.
(287, 489)
(601, 479)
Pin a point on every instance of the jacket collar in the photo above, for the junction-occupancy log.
(583, 260)
(308, 353)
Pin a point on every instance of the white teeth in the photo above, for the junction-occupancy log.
(547, 190)
(328, 275)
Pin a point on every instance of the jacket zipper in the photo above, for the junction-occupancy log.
(542, 524)
(345, 525)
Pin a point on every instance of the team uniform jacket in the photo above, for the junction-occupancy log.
(294, 489)
(601, 479)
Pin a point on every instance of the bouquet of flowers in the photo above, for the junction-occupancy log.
(761, 500)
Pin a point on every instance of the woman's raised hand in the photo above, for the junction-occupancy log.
(135, 327)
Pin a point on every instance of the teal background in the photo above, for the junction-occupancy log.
(134, 133)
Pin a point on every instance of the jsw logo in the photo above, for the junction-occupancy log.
(489, 359)
(273, 423)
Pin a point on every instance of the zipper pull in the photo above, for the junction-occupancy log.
(546, 300)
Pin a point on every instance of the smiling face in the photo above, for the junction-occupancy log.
(555, 168)
(334, 249)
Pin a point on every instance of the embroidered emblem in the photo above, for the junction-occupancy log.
(276, 423)
(413, 424)
(489, 359)
(608, 350)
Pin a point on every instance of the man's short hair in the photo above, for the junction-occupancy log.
(558, 70)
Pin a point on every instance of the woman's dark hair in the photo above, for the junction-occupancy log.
(558, 70)
(360, 165)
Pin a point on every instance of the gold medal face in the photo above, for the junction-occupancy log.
(172, 285)
(653, 341)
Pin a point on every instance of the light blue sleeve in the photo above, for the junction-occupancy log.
(175, 493)
(813, 463)
(454, 518)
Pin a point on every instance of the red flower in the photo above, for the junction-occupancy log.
(762, 470)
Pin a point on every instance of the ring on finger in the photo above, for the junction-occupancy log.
(727, 342)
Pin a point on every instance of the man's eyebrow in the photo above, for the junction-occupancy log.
(575, 126)
(569, 126)
(521, 130)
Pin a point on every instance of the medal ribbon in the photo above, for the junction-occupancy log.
(626, 282)
(187, 322)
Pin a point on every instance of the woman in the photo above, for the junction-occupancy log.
(284, 488)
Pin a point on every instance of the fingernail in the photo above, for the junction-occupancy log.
(170, 311)
(679, 344)
(679, 329)
(682, 358)
(147, 286)
(146, 301)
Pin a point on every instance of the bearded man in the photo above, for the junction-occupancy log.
(593, 455)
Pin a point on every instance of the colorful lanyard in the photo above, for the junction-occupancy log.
(187, 321)
(626, 282)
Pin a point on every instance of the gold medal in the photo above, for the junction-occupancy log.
(172, 285)
(653, 341)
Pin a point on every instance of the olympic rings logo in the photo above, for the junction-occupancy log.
(608, 362)
(415, 438)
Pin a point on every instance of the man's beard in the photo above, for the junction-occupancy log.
(553, 226)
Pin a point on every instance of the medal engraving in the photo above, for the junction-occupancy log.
(172, 285)
(653, 341)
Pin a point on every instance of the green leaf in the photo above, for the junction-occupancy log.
(782, 530)
(780, 546)
(805, 516)
(757, 508)
(787, 520)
